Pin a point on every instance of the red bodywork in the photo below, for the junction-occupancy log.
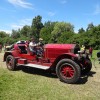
(51, 53)
(64, 59)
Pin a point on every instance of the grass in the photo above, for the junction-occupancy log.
(33, 84)
(95, 54)
(94, 59)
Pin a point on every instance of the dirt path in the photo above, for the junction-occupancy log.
(2, 64)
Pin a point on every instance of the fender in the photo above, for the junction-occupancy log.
(62, 56)
(67, 55)
(13, 53)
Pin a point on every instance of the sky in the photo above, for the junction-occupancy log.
(15, 14)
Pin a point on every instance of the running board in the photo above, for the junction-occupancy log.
(37, 66)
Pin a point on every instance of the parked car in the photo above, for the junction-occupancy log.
(64, 59)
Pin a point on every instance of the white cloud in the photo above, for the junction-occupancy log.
(51, 14)
(21, 23)
(63, 1)
(7, 31)
(21, 3)
(27, 21)
(97, 9)
(15, 26)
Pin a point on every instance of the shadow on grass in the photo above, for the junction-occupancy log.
(84, 79)
(47, 73)
(36, 71)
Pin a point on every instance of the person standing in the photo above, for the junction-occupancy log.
(83, 49)
(90, 51)
(0, 47)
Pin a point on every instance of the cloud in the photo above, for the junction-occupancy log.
(18, 25)
(63, 1)
(15, 26)
(97, 9)
(7, 31)
(51, 14)
(21, 3)
(27, 21)
(21, 23)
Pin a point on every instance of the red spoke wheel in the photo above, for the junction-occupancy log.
(68, 71)
(10, 62)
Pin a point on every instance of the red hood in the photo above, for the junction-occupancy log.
(62, 46)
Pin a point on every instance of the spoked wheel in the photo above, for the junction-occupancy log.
(96, 62)
(10, 62)
(68, 71)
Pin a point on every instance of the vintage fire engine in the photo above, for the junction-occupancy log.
(64, 59)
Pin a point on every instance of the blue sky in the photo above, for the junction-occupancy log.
(15, 14)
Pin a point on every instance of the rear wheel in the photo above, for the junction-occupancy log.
(68, 71)
(11, 62)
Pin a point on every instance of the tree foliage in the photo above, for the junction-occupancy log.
(60, 32)
(60, 28)
(36, 26)
(25, 31)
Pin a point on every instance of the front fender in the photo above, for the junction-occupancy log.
(67, 55)
(63, 56)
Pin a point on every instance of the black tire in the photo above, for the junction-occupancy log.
(11, 62)
(88, 67)
(68, 71)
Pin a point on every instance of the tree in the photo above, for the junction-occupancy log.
(45, 32)
(3, 34)
(60, 28)
(49, 24)
(65, 37)
(81, 30)
(15, 34)
(25, 31)
(90, 26)
(36, 26)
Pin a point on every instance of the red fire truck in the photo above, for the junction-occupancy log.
(64, 59)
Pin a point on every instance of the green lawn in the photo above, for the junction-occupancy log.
(32, 84)
(19, 85)
(94, 59)
(95, 53)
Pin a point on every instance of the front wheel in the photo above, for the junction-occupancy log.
(11, 62)
(68, 71)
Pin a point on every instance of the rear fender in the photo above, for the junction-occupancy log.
(5, 55)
